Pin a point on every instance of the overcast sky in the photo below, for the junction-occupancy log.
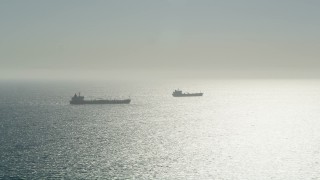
(199, 37)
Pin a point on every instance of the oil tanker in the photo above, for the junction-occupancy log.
(77, 99)
(178, 93)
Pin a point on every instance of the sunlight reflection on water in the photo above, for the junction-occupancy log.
(239, 129)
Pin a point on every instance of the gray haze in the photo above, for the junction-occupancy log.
(172, 38)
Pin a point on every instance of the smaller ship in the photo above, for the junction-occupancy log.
(178, 93)
(77, 99)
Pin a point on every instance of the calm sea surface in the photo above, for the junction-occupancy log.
(239, 129)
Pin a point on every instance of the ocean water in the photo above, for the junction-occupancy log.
(239, 129)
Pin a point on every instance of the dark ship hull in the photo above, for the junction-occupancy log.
(125, 101)
(187, 95)
(77, 99)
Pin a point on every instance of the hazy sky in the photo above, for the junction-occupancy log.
(200, 37)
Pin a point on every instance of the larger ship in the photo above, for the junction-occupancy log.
(77, 99)
(178, 93)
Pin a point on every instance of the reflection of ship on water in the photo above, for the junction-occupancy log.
(178, 93)
(77, 99)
